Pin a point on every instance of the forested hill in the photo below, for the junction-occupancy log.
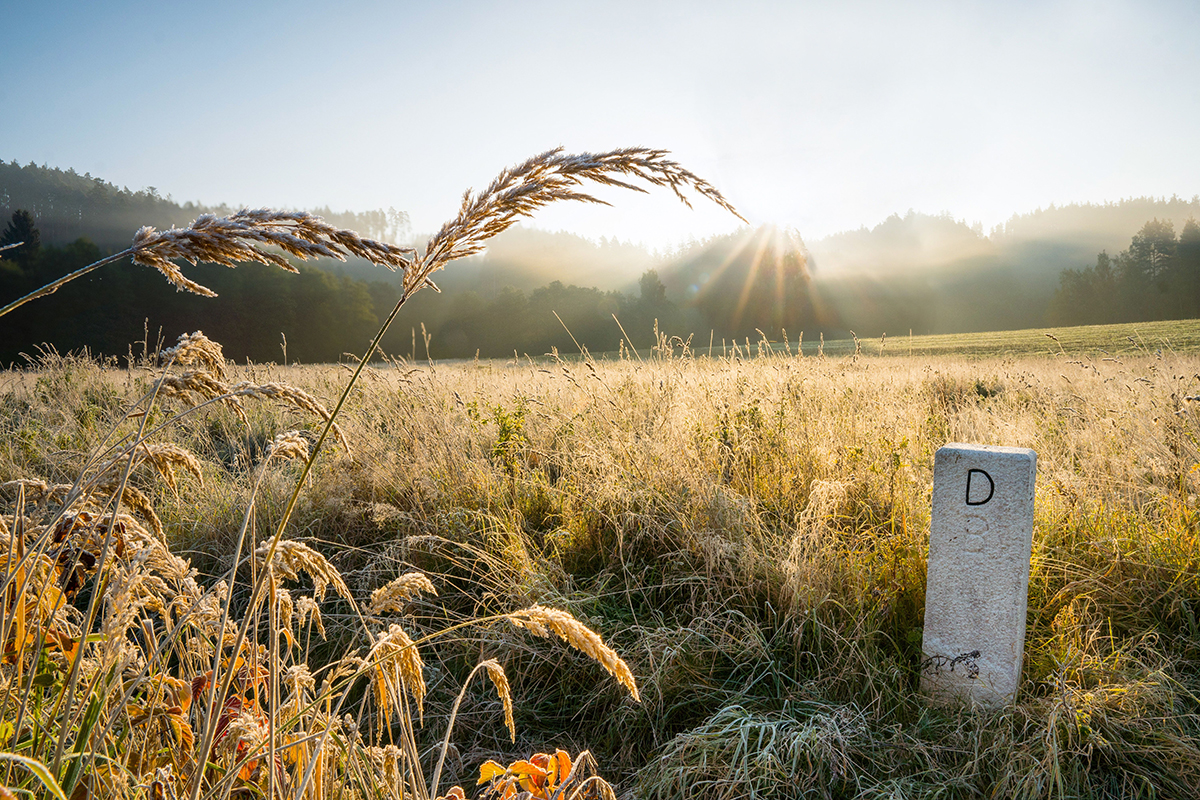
(495, 305)
(1127, 261)
(1046, 240)
(67, 206)
(934, 274)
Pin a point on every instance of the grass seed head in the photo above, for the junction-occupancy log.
(500, 681)
(242, 236)
(136, 500)
(541, 621)
(166, 457)
(398, 592)
(292, 558)
(289, 444)
(203, 385)
(196, 349)
(285, 608)
(551, 176)
(290, 395)
(396, 665)
(308, 609)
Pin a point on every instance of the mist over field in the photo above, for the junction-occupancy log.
(928, 274)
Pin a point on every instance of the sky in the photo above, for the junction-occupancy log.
(819, 116)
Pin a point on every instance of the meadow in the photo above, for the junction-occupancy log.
(1092, 341)
(749, 535)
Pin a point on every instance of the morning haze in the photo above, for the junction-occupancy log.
(532, 290)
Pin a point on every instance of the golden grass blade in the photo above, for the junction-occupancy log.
(40, 772)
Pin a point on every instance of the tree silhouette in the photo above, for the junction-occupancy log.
(1158, 277)
(653, 291)
(21, 229)
(1187, 267)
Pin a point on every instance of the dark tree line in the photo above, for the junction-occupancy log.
(1157, 277)
(69, 220)
(322, 315)
(464, 324)
(108, 310)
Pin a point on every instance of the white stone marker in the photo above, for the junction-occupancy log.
(980, 539)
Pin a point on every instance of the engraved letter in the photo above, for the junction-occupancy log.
(975, 487)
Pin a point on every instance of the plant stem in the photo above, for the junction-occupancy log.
(51, 288)
(217, 699)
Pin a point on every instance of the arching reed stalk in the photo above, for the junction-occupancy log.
(146, 602)
(515, 193)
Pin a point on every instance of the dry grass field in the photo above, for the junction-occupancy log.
(748, 534)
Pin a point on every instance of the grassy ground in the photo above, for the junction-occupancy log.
(1096, 341)
(749, 534)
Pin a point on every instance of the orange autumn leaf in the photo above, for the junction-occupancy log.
(527, 768)
(541, 777)
(489, 771)
(563, 763)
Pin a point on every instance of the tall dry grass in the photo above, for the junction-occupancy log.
(125, 674)
(751, 533)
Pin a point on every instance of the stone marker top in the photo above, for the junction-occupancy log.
(980, 539)
(989, 448)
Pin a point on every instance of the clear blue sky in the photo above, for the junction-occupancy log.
(823, 116)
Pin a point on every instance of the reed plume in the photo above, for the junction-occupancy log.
(136, 500)
(201, 384)
(291, 558)
(396, 664)
(553, 175)
(237, 238)
(309, 610)
(194, 349)
(240, 237)
(166, 457)
(289, 444)
(290, 395)
(500, 681)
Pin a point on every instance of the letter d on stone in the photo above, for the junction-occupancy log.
(980, 538)
(977, 495)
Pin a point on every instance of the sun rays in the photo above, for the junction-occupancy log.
(762, 270)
